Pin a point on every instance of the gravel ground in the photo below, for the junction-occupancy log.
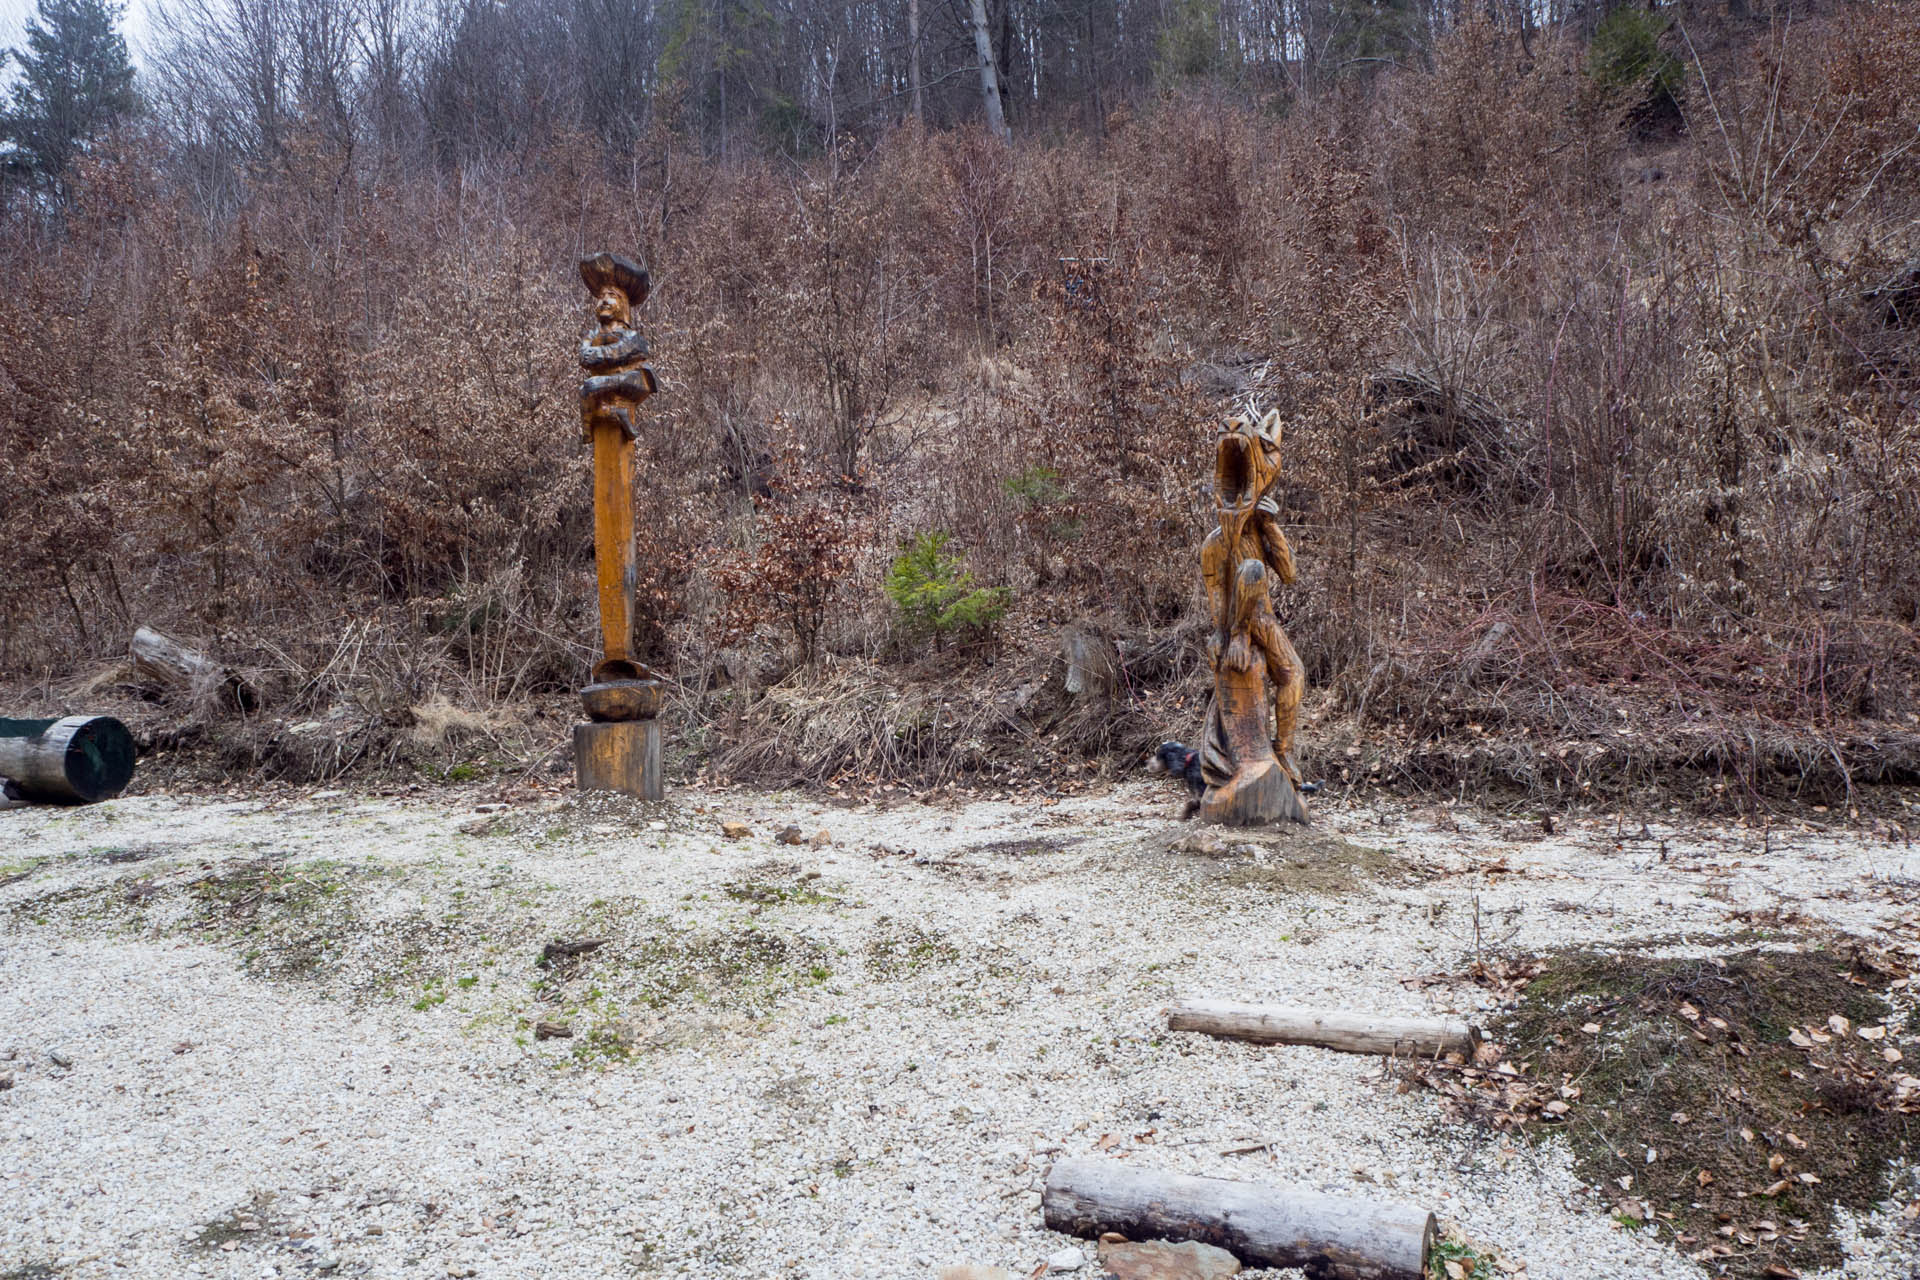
(294, 1037)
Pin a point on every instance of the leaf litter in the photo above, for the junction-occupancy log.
(1733, 1104)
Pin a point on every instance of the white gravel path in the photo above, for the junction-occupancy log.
(860, 1074)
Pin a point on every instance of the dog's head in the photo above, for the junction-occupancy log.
(1168, 757)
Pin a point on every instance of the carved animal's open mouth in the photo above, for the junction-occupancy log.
(1233, 470)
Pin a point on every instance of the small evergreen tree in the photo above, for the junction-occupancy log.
(1627, 62)
(75, 81)
(934, 592)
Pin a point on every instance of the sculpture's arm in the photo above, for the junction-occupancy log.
(611, 398)
(1274, 548)
(1214, 578)
(1282, 663)
(637, 383)
(603, 358)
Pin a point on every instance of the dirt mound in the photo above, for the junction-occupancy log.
(1731, 1104)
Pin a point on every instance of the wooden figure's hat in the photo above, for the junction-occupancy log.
(623, 273)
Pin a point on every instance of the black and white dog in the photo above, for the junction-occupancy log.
(1178, 760)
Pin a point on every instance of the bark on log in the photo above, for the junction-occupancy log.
(167, 661)
(1350, 1032)
(1262, 1225)
(76, 760)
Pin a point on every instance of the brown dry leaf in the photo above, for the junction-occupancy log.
(1798, 1039)
(1777, 1188)
(1703, 1178)
(1795, 1141)
(1456, 1271)
(1873, 1033)
(1107, 1142)
(1680, 1117)
(1838, 1025)
(1591, 1028)
(1688, 1012)
(1774, 1162)
(1775, 1271)
(1890, 1053)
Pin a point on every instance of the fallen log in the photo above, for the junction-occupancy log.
(73, 761)
(1350, 1032)
(1262, 1225)
(168, 662)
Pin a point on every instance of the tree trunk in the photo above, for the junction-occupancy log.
(1348, 1032)
(1264, 1226)
(913, 59)
(989, 76)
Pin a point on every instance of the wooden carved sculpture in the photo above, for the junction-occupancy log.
(620, 749)
(1247, 756)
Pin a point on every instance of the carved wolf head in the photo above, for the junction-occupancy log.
(1246, 460)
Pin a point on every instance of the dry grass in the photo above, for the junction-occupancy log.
(1650, 443)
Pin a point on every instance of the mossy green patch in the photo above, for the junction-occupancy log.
(242, 1224)
(802, 892)
(900, 951)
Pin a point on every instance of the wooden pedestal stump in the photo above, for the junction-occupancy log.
(619, 755)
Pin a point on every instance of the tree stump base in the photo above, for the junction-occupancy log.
(619, 755)
(1256, 796)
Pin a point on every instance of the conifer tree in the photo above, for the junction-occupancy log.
(75, 81)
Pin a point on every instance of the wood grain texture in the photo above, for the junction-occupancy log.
(619, 755)
(174, 665)
(613, 552)
(1247, 750)
(1264, 1225)
(1350, 1032)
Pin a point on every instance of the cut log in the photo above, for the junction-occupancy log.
(619, 755)
(1262, 1225)
(170, 663)
(1349, 1032)
(77, 760)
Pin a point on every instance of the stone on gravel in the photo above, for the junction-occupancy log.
(1068, 1259)
(1160, 1260)
(735, 830)
(548, 1030)
(1204, 843)
(789, 835)
(326, 1262)
(6, 1081)
(968, 1271)
(59, 1059)
(821, 838)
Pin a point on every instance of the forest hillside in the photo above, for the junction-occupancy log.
(1595, 331)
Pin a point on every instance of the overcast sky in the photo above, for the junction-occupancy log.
(13, 24)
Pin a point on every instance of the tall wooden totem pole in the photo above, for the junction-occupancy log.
(1247, 757)
(618, 749)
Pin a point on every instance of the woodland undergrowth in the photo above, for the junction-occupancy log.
(1602, 435)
